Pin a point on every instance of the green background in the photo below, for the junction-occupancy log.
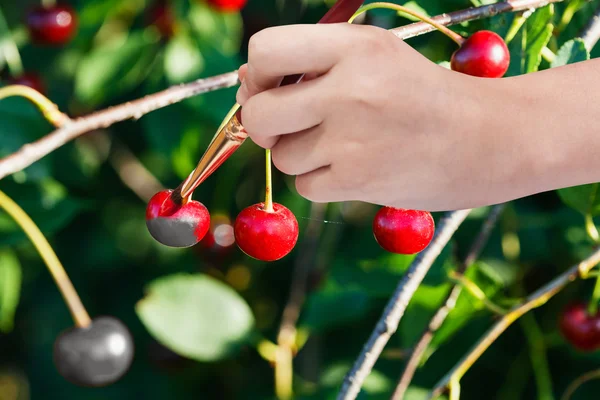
(96, 226)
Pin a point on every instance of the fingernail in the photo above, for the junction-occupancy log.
(242, 94)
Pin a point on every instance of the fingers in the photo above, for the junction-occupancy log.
(301, 152)
(284, 110)
(320, 186)
(292, 49)
(242, 72)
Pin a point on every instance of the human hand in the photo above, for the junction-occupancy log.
(376, 121)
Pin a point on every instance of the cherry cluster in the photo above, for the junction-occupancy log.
(262, 232)
(48, 26)
(269, 234)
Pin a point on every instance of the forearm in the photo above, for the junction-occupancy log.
(547, 124)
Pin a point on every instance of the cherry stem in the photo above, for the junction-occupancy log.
(80, 315)
(593, 305)
(372, 6)
(269, 183)
(9, 49)
(47, 107)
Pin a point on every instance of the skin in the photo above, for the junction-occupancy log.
(378, 122)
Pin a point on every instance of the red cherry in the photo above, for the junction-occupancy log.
(266, 236)
(30, 79)
(161, 16)
(579, 328)
(54, 25)
(483, 54)
(228, 5)
(403, 231)
(176, 225)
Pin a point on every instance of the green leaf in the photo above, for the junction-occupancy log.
(467, 307)
(414, 6)
(498, 271)
(380, 277)
(328, 309)
(115, 66)
(223, 31)
(22, 123)
(584, 199)
(421, 308)
(526, 47)
(46, 202)
(183, 59)
(10, 289)
(571, 52)
(417, 393)
(196, 316)
(376, 382)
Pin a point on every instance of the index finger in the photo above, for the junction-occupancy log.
(293, 49)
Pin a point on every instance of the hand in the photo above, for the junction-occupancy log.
(376, 121)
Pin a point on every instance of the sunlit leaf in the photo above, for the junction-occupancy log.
(183, 59)
(571, 52)
(196, 316)
(115, 66)
(526, 47)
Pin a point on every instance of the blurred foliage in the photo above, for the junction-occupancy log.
(212, 308)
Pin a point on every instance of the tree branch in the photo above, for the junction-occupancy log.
(30, 153)
(590, 34)
(442, 313)
(388, 323)
(72, 129)
(536, 299)
(458, 17)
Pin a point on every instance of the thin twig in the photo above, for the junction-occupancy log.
(476, 292)
(449, 304)
(30, 153)
(536, 299)
(286, 339)
(132, 172)
(588, 376)
(388, 323)
(590, 34)
(539, 357)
